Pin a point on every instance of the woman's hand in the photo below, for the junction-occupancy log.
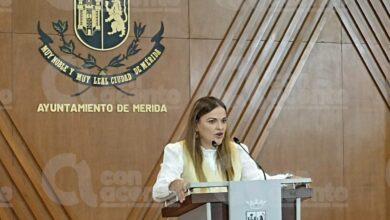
(180, 187)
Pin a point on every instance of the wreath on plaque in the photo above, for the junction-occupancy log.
(90, 62)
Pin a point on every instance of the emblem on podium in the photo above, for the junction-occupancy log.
(255, 215)
(256, 212)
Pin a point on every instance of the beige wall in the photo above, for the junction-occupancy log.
(333, 128)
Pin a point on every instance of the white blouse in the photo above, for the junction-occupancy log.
(172, 168)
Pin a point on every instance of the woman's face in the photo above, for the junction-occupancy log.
(212, 127)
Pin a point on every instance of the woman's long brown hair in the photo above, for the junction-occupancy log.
(192, 141)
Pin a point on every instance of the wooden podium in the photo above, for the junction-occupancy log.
(215, 206)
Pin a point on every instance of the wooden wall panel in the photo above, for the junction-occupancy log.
(8, 198)
(242, 118)
(252, 58)
(208, 43)
(18, 204)
(220, 15)
(22, 182)
(308, 133)
(6, 79)
(295, 54)
(381, 17)
(287, 14)
(6, 16)
(331, 32)
(387, 145)
(201, 52)
(26, 14)
(71, 133)
(174, 14)
(366, 120)
(241, 58)
(373, 44)
(355, 30)
(296, 70)
(6, 213)
(375, 25)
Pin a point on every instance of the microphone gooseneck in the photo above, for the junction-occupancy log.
(237, 141)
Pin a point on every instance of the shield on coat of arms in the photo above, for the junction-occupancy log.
(102, 24)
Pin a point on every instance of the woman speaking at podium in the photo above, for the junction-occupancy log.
(207, 154)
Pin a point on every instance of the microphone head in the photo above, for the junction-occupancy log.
(214, 144)
(236, 140)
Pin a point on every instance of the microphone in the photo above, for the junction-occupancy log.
(258, 165)
(215, 145)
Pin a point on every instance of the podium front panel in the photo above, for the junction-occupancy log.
(255, 200)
